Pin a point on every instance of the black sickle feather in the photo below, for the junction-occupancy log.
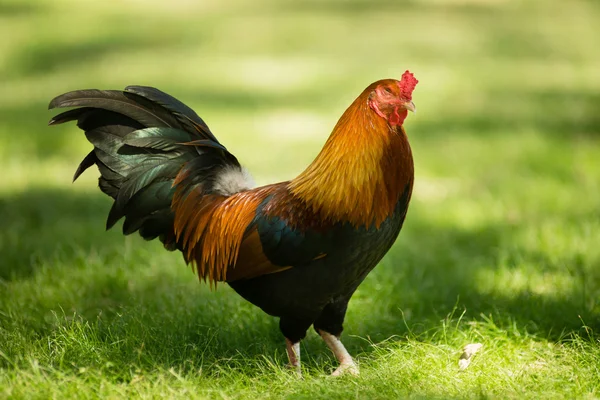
(205, 143)
(114, 215)
(130, 105)
(70, 115)
(183, 113)
(87, 162)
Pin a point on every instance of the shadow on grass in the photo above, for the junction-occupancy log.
(39, 225)
(61, 271)
(140, 311)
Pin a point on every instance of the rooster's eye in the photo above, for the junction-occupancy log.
(387, 90)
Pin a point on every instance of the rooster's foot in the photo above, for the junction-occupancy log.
(347, 364)
(346, 369)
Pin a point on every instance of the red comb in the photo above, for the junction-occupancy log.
(407, 84)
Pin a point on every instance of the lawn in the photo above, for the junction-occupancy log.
(501, 245)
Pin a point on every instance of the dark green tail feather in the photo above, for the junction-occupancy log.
(163, 139)
(146, 204)
(142, 138)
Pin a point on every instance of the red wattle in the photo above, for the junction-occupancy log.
(396, 118)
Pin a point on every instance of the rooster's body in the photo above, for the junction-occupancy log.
(296, 249)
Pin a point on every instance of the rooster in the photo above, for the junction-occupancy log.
(296, 249)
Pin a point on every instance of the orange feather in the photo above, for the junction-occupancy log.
(361, 171)
(211, 229)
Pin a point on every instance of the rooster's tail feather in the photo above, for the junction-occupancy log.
(143, 139)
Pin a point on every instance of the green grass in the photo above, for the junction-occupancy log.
(500, 246)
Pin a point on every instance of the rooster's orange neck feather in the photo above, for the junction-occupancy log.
(362, 170)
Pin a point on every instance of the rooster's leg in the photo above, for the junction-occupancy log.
(330, 326)
(293, 352)
(294, 330)
(347, 364)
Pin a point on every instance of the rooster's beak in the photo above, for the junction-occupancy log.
(410, 106)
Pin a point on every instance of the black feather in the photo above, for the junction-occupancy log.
(114, 215)
(145, 203)
(112, 166)
(130, 105)
(87, 162)
(106, 138)
(98, 118)
(70, 115)
(157, 224)
(205, 143)
(183, 113)
(108, 187)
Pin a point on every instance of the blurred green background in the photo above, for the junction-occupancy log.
(503, 226)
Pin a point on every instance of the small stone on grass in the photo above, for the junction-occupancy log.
(468, 352)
